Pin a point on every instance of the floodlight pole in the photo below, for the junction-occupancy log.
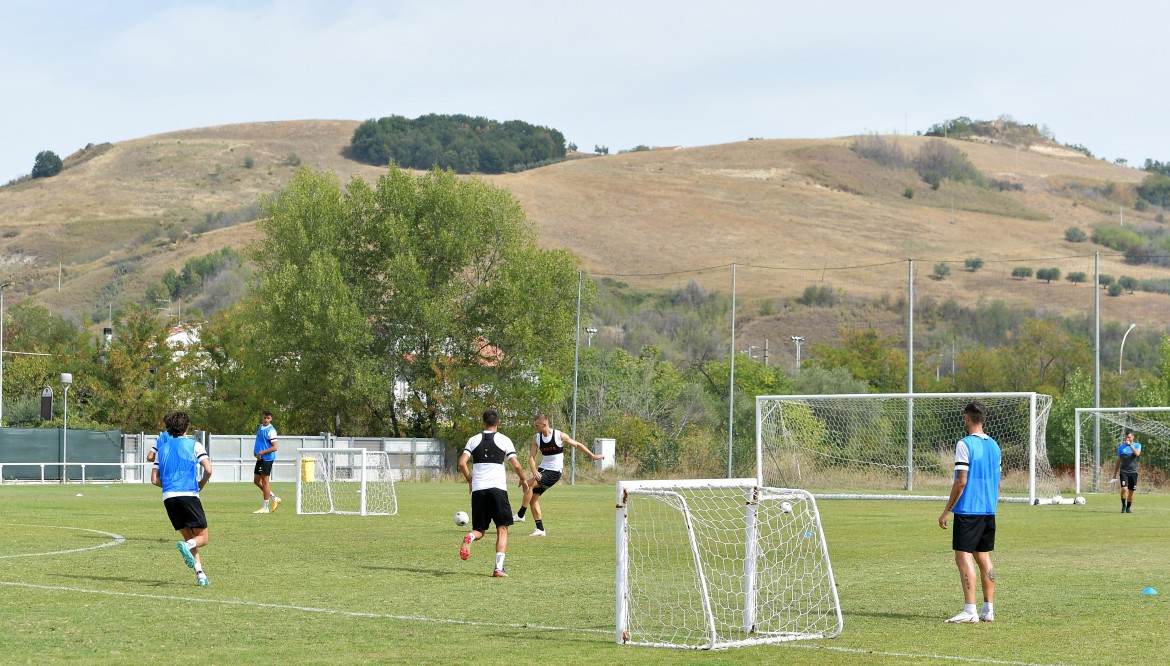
(799, 340)
(910, 378)
(731, 380)
(576, 363)
(1096, 363)
(66, 380)
(2, 286)
(1120, 354)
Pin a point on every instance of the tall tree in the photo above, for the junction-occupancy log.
(408, 306)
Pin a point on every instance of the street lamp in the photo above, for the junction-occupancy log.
(590, 332)
(1121, 354)
(66, 380)
(798, 339)
(2, 286)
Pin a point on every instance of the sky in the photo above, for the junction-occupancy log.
(609, 73)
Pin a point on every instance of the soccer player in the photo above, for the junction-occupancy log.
(265, 452)
(176, 471)
(551, 445)
(974, 495)
(1127, 469)
(487, 481)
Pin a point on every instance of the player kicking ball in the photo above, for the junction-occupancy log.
(176, 471)
(551, 445)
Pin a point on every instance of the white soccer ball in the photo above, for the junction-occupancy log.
(461, 518)
(1057, 499)
(1079, 500)
(785, 507)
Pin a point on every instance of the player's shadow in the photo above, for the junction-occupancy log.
(118, 579)
(412, 570)
(892, 616)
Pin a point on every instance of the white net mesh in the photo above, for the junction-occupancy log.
(881, 444)
(717, 566)
(1151, 427)
(353, 481)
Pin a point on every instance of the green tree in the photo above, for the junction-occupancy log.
(1115, 290)
(1128, 283)
(868, 356)
(1021, 272)
(1076, 277)
(46, 164)
(1075, 234)
(1104, 280)
(1048, 274)
(431, 280)
(973, 263)
(941, 270)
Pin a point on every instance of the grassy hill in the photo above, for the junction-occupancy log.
(790, 213)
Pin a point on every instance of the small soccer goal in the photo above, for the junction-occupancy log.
(898, 445)
(721, 563)
(1100, 431)
(349, 481)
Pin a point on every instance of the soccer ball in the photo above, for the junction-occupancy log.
(461, 518)
(1079, 500)
(1057, 499)
(785, 507)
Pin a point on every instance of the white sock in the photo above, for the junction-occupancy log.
(500, 561)
(987, 608)
(265, 504)
(272, 495)
(191, 544)
(199, 570)
(969, 608)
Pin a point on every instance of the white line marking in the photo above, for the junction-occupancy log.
(118, 538)
(477, 623)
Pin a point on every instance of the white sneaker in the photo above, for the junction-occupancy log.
(965, 618)
(262, 509)
(517, 519)
(987, 617)
(538, 533)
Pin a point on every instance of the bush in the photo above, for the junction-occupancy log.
(821, 296)
(46, 164)
(908, 192)
(973, 263)
(885, 152)
(933, 179)
(1155, 189)
(1127, 283)
(942, 160)
(1075, 234)
(1048, 274)
(1115, 290)
(1141, 205)
(1105, 280)
(249, 162)
(941, 270)
(1076, 277)
(1021, 272)
(1117, 237)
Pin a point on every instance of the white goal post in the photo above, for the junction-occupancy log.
(898, 445)
(348, 481)
(720, 563)
(1099, 431)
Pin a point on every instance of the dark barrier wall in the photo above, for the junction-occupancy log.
(45, 445)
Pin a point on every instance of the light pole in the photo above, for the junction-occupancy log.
(1121, 354)
(66, 380)
(798, 339)
(2, 286)
(590, 332)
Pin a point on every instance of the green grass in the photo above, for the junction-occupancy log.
(1069, 584)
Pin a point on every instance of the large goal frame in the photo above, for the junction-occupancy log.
(1042, 485)
(1123, 417)
(745, 586)
(369, 470)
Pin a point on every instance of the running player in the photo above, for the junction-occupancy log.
(176, 471)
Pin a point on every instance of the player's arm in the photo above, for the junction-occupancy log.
(206, 463)
(519, 469)
(579, 445)
(956, 491)
(150, 455)
(154, 477)
(272, 447)
(464, 469)
(532, 458)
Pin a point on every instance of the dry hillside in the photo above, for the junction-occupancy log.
(790, 213)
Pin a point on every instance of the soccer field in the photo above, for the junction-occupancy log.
(289, 589)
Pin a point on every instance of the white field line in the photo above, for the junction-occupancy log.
(117, 539)
(477, 623)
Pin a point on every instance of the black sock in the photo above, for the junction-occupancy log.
(539, 524)
(520, 513)
(1128, 504)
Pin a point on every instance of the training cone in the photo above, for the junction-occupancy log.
(1149, 590)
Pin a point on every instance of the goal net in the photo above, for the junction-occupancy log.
(1096, 446)
(721, 563)
(898, 445)
(352, 481)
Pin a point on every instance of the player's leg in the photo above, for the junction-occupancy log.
(503, 520)
(480, 521)
(987, 580)
(548, 479)
(965, 534)
(1132, 490)
(527, 501)
(1123, 484)
(261, 481)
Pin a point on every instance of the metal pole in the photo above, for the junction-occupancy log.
(1120, 354)
(910, 380)
(576, 362)
(65, 439)
(731, 380)
(2, 286)
(1096, 366)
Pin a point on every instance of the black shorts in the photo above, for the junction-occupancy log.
(1129, 480)
(488, 505)
(185, 512)
(548, 479)
(263, 468)
(973, 533)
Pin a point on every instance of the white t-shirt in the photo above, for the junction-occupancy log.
(488, 470)
(552, 452)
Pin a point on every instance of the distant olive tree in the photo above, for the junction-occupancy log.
(941, 270)
(601, 150)
(1076, 277)
(973, 263)
(1075, 235)
(1048, 274)
(46, 164)
(1105, 281)
(1021, 272)
(1116, 289)
(1128, 283)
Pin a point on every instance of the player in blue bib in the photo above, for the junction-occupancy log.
(265, 452)
(1127, 470)
(176, 468)
(974, 495)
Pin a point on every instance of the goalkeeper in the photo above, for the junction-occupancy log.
(551, 445)
(1127, 470)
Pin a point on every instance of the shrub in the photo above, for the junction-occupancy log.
(1076, 277)
(1155, 189)
(1105, 280)
(933, 179)
(249, 162)
(885, 152)
(1115, 290)
(1141, 205)
(941, 270)
(1048, 274)
(973, 263)
(1116, 237)
(1075, 234)
(822, 296)
(1021, 272)
(1127, 283)
(908, 192)
(945, 161)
